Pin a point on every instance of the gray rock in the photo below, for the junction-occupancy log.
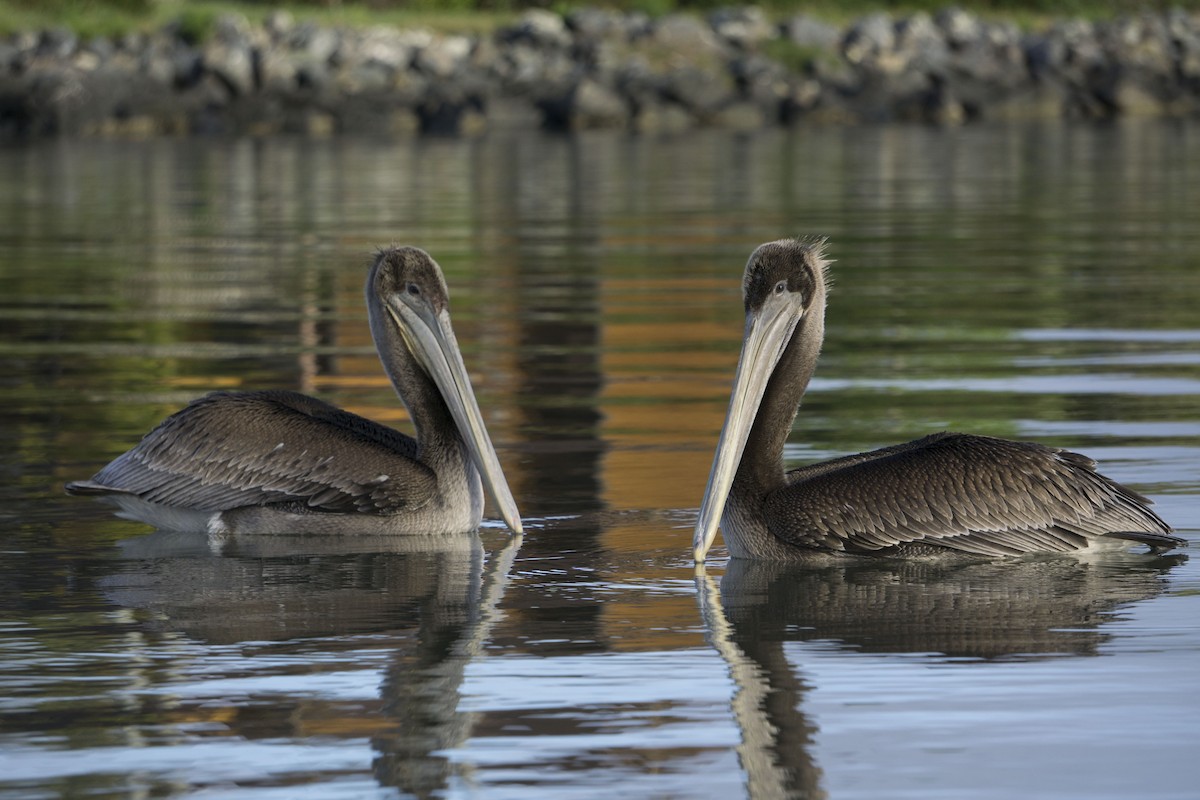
(229, 54)
(364, 77)
(279, 24)
(1185, 32)
(1142, 44)
(591, 24)
(699, 91)
(234, 30)
(744, 27)
(102, 47)
(868, 39)
(9, 55)
(685, 34)
(594, 105)
(449, 108)
(181, 67)
(762, 82)
(132, 42)
(443, 56)
(960, 28)
(805, 31)
(278, 71)
(801, 99)
(922, 45)
(232, 63)
(57, 44)
(314, 43)
(540, 27)
(597, 68)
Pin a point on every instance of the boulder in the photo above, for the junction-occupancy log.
(744, 27)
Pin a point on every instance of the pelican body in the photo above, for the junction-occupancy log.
(283, 462)
(943, 494)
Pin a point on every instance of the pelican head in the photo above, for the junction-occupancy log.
(407, 294)
(783, 284)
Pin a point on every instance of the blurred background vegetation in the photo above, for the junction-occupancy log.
(112, 17)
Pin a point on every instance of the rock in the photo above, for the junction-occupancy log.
(181, 68)
(279, 24)
(960, 28)
(443, 56)
(9, 56)
(233, 65)
(922, 45)
(699, 91)
(364, 77)
(805, 31)
(592, 25)
(745, 27)
(522, 70)
(541, 28)
(314, 44)
(41, 101)
(229, 54)
(278, 72)
(85, 61)
(1136, 100)
(1184, 32)
(868, 39)
(449, 109)
(763, 83)
(686, 36)
(101, 47)
(800, 100)
(57, 44)
(597, 68)
(395, 51)
(594, 105)
(234, 30)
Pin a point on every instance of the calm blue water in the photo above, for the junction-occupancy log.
(1037, 282)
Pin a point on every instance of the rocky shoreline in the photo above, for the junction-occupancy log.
(593, 68)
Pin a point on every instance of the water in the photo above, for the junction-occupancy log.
(1034, 282)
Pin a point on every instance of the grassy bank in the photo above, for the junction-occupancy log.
(114, 17)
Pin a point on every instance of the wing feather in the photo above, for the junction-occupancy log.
(233, 449)
(975, 494)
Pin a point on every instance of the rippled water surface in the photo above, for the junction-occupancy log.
(1031, 282)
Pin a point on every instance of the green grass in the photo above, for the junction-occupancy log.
(113, 17)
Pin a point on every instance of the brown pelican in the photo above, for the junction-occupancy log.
(945, 493)
(283, 462)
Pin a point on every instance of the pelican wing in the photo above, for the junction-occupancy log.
(229, 450)
(974, 494)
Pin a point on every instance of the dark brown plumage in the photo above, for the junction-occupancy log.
(945, 493)
(233, 449)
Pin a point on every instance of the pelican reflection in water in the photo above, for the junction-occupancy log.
(945, 493)
(408, 615)
(283, 462)
(782, 627)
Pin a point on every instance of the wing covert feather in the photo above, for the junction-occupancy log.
(976, 494)
(233, 449)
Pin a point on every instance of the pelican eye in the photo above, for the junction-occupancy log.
(781, 287)
(414, 290)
